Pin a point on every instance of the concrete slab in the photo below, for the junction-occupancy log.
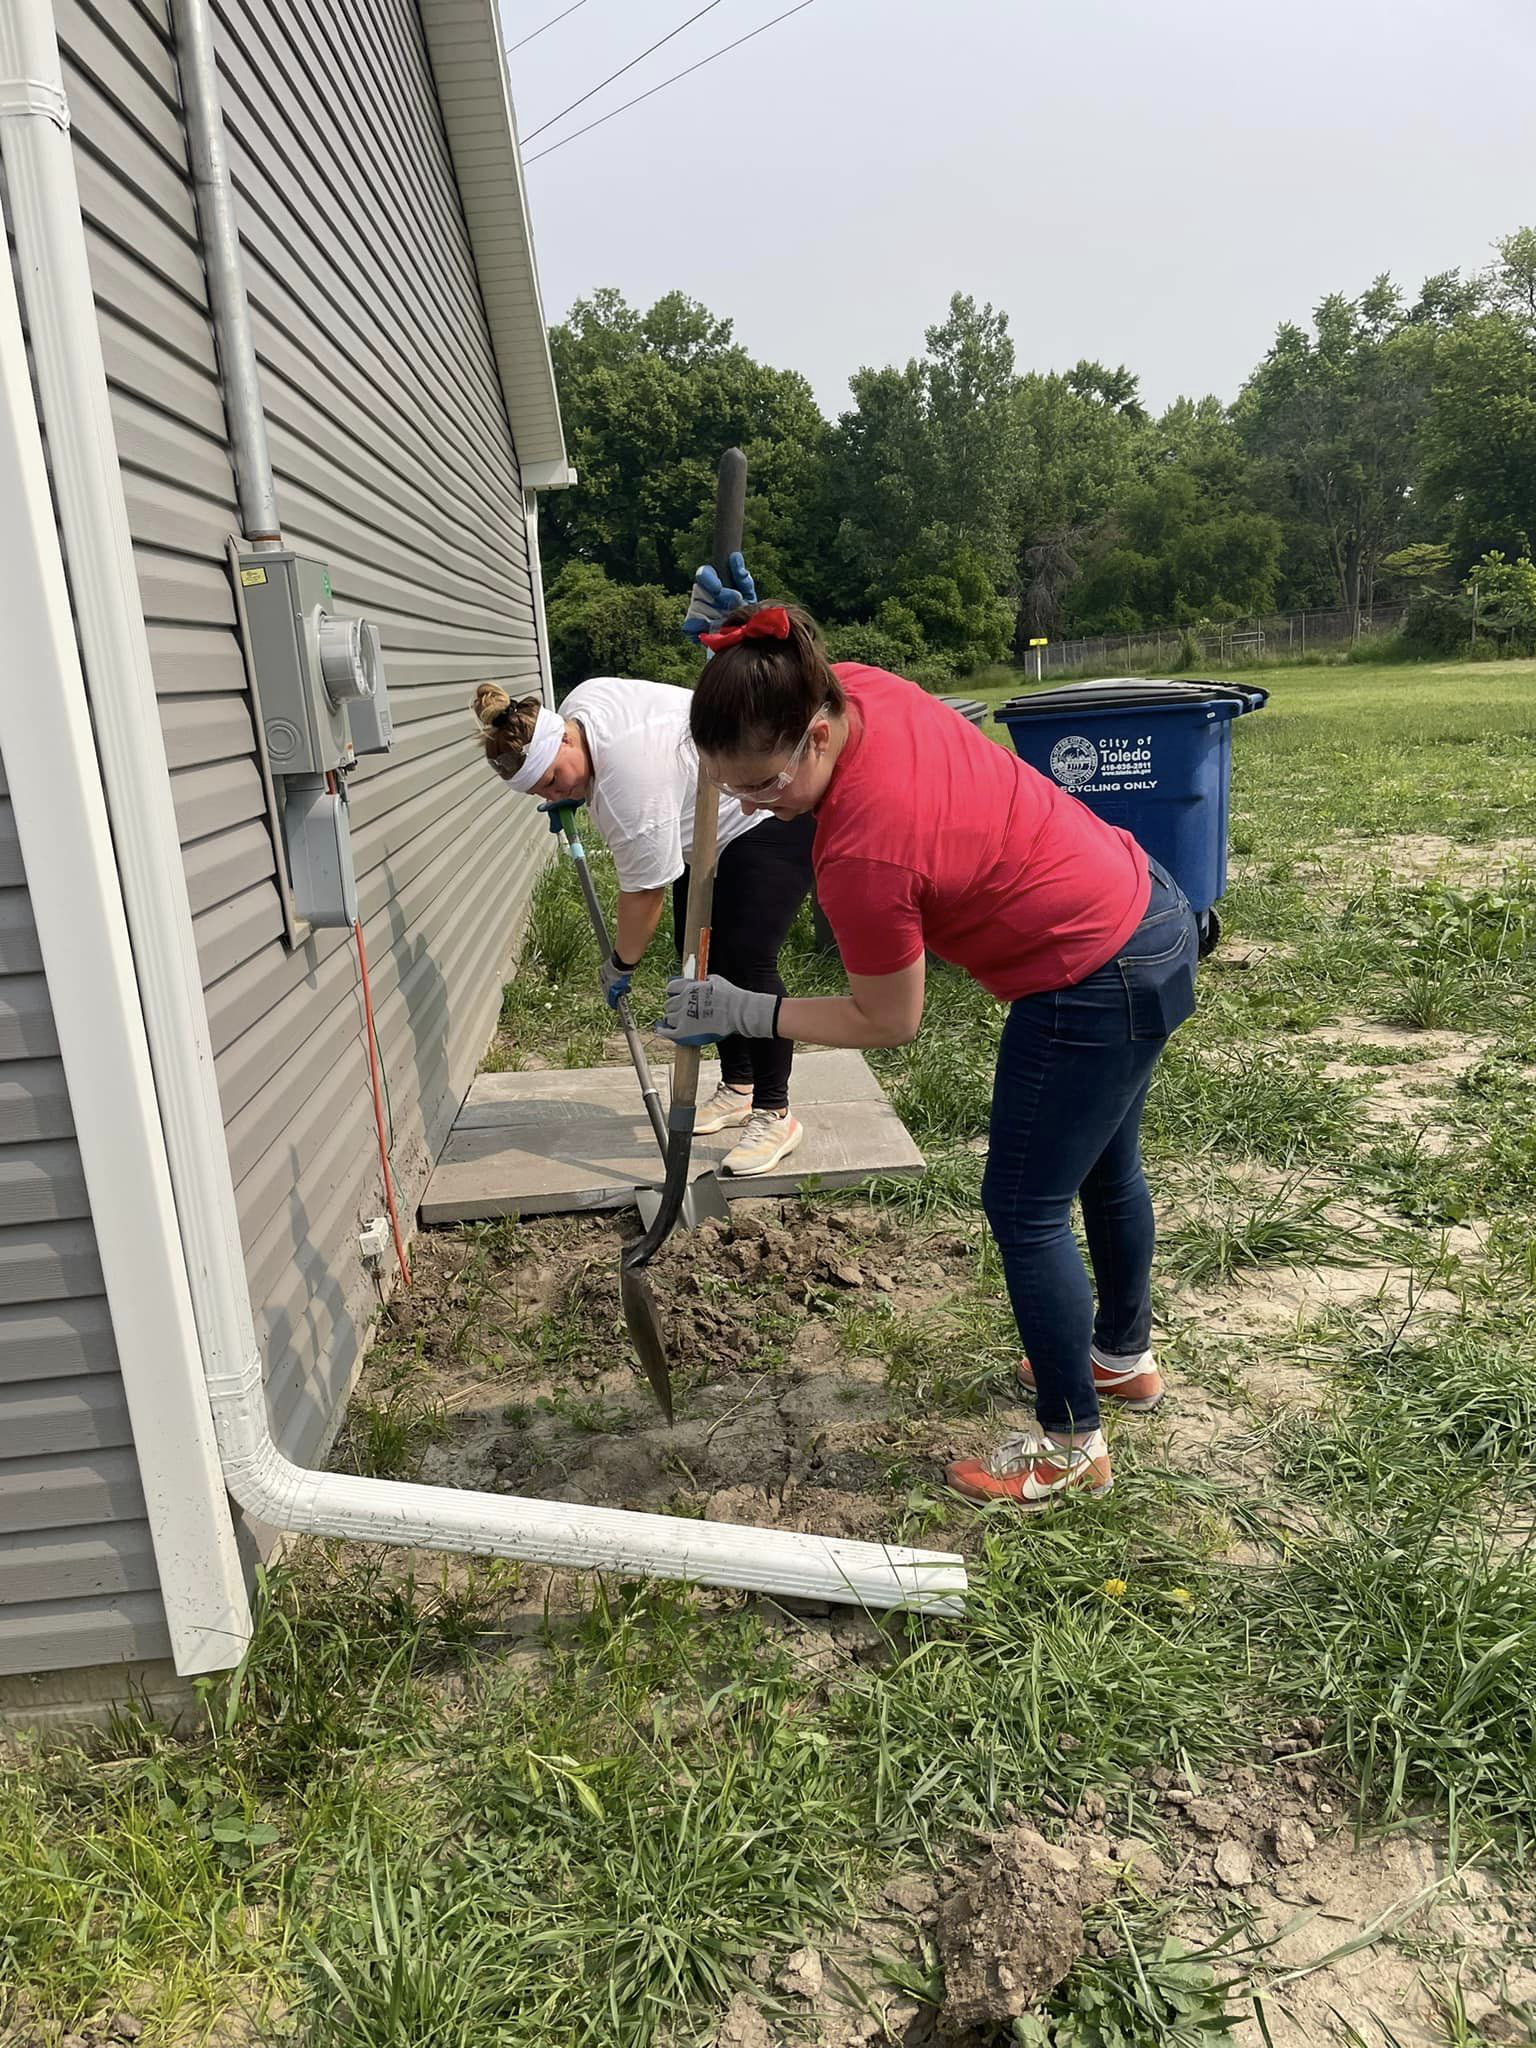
(562, 1139)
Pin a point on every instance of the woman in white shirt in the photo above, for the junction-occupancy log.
(622, 747)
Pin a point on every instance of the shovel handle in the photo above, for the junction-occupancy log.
(562, 819)
(730, 511)
(730, 522)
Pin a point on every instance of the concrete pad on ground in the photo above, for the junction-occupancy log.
(562, 1139)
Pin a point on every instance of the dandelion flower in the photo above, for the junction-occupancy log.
(1179, 1595)
(1114, 1588)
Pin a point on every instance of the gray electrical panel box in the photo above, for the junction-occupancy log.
(286, 597)
(320, 855)
(322, 701)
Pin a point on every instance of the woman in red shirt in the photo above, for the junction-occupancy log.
(930, 837)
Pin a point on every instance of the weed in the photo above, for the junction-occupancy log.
(593, 1416)
(1246, 1101)
(385, 1439)
(939, 1363)
(1243, 1230)
(950, 1185)
(559, 941)
(1169, 1997)
(1415, 1645)
(942, 1086)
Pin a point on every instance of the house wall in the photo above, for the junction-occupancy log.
(395, 465)
(77, 1571)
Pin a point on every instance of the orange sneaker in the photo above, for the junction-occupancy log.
(1031, 1470)
(1134, 1382)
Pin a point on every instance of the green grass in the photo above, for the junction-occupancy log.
(395, 1829)
(1241, 1230)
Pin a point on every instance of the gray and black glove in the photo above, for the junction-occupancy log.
(703, 1012)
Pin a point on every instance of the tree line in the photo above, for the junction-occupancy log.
(960, 507)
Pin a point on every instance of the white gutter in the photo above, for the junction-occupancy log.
(72, 388)
(77, 906)
(536, 578)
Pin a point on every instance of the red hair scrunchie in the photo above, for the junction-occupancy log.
(771, 623)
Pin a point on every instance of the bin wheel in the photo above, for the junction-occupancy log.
(1210, 932)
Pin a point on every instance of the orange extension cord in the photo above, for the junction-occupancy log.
(378, 1093)
(378, 1104)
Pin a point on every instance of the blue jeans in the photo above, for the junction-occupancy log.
(1072, 1078)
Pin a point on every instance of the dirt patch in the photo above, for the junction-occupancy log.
(1425, 856)
(1010, 1933)
(781, 1329)
(1275, 1300)
(1337, 1931)
(1407, 1095)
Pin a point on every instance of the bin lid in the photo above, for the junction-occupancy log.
(1134, 693)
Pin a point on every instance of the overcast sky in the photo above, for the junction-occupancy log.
(1157, 184)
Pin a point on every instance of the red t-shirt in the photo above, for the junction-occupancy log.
(930, 835)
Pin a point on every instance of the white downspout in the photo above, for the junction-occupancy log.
(77, 907)
(269, 1486)
(536, 578)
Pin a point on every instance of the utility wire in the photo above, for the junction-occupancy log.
(548, 24)
(527, 161)
(623, 68)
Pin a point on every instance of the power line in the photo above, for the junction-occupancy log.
(548, 24)
(713, 4)
(527, 161)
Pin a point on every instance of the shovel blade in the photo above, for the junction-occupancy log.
(644, 1320)
(703, 1203)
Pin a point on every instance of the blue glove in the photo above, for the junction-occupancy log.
(713, 601)
(615, 978)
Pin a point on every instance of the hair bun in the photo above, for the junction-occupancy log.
(490, 701)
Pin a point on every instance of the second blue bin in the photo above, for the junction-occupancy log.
(1154, 758)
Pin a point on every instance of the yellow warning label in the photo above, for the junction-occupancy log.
(250, 576)
(1039, 643)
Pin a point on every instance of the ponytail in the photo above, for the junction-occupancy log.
(506, 727)
(759, 695)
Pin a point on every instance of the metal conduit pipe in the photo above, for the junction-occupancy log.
(130, 760)
(219, 231)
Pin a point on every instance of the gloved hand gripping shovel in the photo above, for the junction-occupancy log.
(703, 1198)
(640, 1311)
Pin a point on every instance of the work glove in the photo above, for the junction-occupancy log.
(703, 1012)
(712, 601)
(615, 978)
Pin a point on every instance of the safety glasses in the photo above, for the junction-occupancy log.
(765, 792)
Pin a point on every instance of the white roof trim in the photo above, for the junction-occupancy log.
(470, 66)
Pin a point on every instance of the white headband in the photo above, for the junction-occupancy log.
(548, 735)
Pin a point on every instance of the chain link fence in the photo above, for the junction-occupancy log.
(1284, 636)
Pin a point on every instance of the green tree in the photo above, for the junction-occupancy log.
(1480, 435)
(922, 469)
(601, 628)
(1078, 450)
(1336, 415)
(650, 400)
(1174, 552)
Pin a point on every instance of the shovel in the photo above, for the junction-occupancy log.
(704, 1198)
(640, 1310)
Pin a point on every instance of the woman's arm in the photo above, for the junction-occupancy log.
(639, 915)
(879, 1009)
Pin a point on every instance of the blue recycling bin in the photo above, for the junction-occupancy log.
(1152, 757)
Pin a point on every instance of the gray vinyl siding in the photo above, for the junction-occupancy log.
(77, 1572)
(395, 465)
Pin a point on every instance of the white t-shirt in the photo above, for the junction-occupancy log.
(645, 772)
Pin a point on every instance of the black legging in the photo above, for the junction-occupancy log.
(763, 878)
